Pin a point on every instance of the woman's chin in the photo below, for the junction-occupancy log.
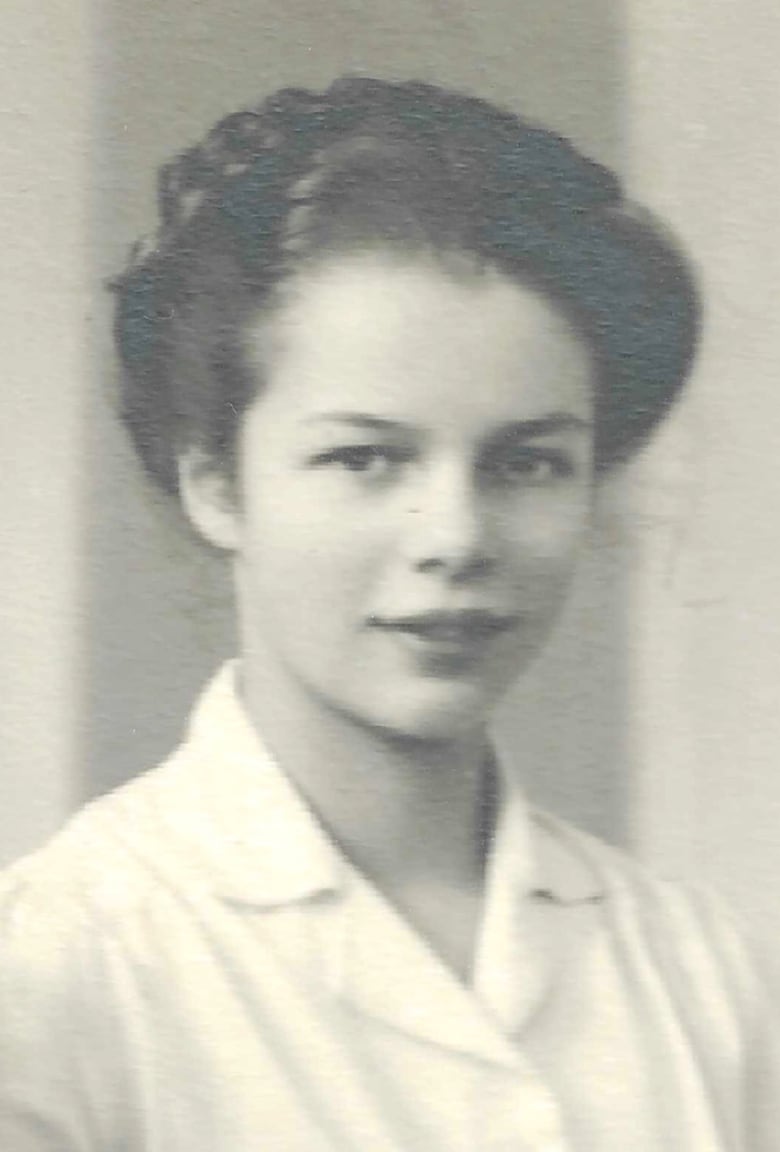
(435, 717)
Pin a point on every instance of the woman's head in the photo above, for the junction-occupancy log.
(384, 343)
(403, 168)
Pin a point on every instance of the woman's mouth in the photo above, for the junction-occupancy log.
(456, 639)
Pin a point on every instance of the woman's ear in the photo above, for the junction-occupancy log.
(209, 499)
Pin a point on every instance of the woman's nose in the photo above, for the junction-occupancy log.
(450, 526)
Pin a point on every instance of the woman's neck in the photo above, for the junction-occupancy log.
(413, 815)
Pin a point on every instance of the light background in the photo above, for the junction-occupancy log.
(653, 720)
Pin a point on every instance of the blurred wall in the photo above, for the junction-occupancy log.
(44, 306)
(159, 608)
(703, 102)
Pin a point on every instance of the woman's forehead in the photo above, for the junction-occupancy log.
(391, 334)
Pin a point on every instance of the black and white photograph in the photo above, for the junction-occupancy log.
(390, 579)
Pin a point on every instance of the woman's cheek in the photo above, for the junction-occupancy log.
(550, 536)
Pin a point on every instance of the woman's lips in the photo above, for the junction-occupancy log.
(457, 636)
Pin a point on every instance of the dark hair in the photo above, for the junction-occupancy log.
(408, 166)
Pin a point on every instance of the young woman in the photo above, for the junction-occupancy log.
(385, 344)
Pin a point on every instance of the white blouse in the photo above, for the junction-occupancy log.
(193, 966)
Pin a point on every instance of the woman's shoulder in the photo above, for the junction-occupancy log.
(74, 922)
(94, 868)
(634, 887)
(686, 954)
(689, 932)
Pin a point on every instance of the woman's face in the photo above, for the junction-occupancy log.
(415, 481)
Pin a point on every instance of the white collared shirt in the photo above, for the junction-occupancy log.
(193, 966)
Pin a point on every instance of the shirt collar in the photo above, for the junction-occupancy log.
(266, 847)
(257, 840)
(246, 835)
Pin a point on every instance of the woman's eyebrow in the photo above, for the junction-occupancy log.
(544, 425)
(359, 420)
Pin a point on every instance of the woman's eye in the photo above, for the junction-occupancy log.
(530, 466)
(372, 459)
